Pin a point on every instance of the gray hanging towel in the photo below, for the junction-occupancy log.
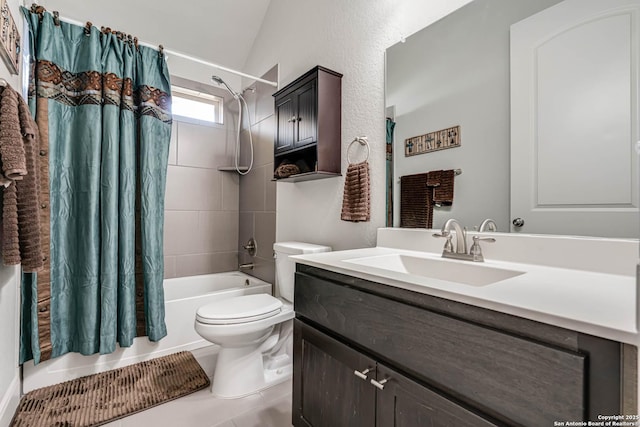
(356, 201)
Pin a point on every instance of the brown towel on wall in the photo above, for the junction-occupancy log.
(420, 192)
(12, 150)
(19, 142)
(356, 201)
(443, 193)
(416, 209)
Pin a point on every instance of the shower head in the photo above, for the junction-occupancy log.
(218, 80)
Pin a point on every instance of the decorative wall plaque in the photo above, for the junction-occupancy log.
(9, 39)
(433, 141)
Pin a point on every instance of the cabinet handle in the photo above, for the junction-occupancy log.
(380, 384)
(362, 374)
(299, 119)
(292, 119)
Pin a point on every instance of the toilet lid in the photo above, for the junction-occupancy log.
(242, 309)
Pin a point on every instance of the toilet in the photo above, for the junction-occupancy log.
(254, 332)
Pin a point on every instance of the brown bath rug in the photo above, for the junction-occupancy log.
(97, 399)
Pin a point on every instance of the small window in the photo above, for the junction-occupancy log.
(196, 105)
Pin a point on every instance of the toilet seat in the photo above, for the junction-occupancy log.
(237, 310)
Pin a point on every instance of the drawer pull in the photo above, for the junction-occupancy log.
(362, 374)
(380, 384)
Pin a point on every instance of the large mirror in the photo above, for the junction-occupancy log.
(545, 95)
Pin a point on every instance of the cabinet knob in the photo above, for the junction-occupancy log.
(379, 384)
(292, 119)
(362, 374)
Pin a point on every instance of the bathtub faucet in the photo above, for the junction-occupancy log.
(247, 266)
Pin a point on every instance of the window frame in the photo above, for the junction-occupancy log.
(178, 91)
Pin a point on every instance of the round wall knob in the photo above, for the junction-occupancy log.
(518, 222)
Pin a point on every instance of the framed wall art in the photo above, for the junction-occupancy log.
(9, 39)
(432, 141)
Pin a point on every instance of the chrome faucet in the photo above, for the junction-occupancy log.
(475, 252)
(461, 235)
(488, 225)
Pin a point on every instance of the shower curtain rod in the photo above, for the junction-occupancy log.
(171, 52)
(212, 65)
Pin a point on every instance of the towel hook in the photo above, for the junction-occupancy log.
(363, 140)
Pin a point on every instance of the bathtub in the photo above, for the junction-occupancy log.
(182, 298)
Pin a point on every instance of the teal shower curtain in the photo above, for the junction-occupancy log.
(102, 105)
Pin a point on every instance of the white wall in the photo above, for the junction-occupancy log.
(351, 38)
(9, 294)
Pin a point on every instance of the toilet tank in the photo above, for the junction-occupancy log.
(286, 267)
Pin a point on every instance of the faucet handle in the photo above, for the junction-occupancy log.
(448, 246)
(476, 250)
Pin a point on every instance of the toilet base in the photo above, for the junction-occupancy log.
(243, 385)
(246, 370)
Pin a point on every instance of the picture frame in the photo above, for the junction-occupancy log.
(432, 141)
(9, 39)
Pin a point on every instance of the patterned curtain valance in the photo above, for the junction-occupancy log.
(93, 87)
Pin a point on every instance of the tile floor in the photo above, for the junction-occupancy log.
(269, 408)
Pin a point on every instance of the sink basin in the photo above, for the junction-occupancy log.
(452, 271)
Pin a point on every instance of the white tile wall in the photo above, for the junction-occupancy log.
(230, 191)
(181, 232)
(191, 265)
(252, 194)
(203, 146)
(191, 188)
(201, 203)
(257, 190)
(219, 231)
(203, 206)
(265, 232)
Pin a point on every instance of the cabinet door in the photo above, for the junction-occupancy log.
(285, 124)
(402, 402)
(326, 390)
(306, 117)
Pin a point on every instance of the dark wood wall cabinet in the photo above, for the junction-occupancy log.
(308, 125)
(367, 354)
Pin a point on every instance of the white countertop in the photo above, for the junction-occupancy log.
(596, 303)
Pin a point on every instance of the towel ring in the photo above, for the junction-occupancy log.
(363, 141)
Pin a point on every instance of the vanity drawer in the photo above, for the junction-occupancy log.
(508, 377)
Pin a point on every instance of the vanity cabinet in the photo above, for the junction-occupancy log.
(438, 362)
(308, 124)
(336, 389)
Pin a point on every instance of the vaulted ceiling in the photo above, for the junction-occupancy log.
(220, 31)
